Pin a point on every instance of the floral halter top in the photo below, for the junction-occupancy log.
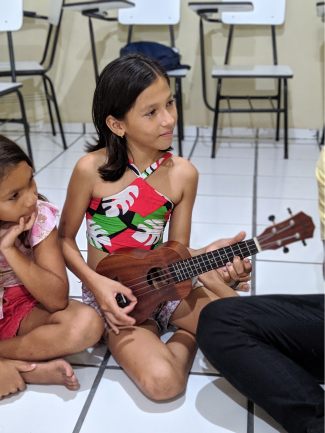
(135, 217)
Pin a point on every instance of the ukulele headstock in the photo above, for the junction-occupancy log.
(296, 228)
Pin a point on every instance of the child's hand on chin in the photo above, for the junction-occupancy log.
(7, 241)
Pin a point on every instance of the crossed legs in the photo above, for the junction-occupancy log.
(161, 370)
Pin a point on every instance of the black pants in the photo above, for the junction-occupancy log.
(271, 348)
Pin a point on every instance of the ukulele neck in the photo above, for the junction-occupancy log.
(206, 262)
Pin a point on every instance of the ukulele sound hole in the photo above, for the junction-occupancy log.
(157, 277)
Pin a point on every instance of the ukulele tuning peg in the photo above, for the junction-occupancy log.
(272, 218)
(304, 242)
(285, 250)
(289, 210)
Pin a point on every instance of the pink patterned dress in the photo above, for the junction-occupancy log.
(15, 300)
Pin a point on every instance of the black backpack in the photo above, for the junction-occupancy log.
(166, 56)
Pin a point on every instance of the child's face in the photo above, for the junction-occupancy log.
(151, 121)
(18, 193)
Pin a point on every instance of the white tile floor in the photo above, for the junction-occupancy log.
(247, 182)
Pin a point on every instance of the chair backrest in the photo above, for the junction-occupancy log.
(55, 11)
(11, 15)
(151, 12)
(265, 12)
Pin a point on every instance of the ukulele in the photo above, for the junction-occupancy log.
(167, 273)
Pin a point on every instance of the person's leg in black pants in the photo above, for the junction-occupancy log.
(271, 348)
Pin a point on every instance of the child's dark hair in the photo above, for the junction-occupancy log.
(10, 156)
(118, 87)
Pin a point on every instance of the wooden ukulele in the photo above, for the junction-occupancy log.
(165, 274)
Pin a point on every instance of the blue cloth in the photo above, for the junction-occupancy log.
(166, 56)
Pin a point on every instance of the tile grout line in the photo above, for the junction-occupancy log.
(289, 262)
(92, 393)
(250, 416)
(57, 156)
(254, 210)
(250, 405)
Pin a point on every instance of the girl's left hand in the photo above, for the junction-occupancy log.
(7, 241)
(239, 270)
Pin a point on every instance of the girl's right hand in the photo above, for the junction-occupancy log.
(10, 378)
(105, 291)
(7, 241)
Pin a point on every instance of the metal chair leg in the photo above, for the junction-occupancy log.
(215, 121)
(180, 115)
(278, 113)
(323, 136)
(285, 88)
(26, 125)
(178, 86)
(57, 111)
(48, 97)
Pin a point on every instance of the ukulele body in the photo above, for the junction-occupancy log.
(147, 274)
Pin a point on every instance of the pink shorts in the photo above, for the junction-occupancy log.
(17, 305)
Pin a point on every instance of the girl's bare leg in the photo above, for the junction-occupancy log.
(57, 372)
(186, 315)
(159, 370)
(44, 336)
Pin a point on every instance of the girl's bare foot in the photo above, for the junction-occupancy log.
(57, 372)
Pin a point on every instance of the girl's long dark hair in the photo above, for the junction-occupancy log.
(10, 156)
(118, 87)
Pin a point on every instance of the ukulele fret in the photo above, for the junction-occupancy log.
(241, 255)
(203, 263)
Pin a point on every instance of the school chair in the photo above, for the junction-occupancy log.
(261, 13)
(34, 68)
(11, 19)
(156, 13)
(97, 9)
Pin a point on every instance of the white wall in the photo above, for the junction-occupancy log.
(300, 45)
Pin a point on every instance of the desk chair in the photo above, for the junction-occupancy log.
(97, 9)
(33, 68)
(11, 19)
(264, 12)
(157, 12)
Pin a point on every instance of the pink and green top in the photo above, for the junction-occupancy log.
(135, 217)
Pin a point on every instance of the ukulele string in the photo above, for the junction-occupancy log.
(204, 262)
(282, 240)
(264, 238)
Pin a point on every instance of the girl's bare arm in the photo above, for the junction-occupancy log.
(46, 278)
(78, 198)
(186, 178)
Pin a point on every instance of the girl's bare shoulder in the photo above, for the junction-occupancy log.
(182, 168)
(88, 164)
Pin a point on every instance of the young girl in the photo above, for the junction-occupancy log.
(37, 320)
(129, 185)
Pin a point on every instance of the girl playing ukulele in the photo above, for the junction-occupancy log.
(129, 186)
(37, 320)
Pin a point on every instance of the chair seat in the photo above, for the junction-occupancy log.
(21, 67)
(254, 71)
(177, 73)
(6, 88)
